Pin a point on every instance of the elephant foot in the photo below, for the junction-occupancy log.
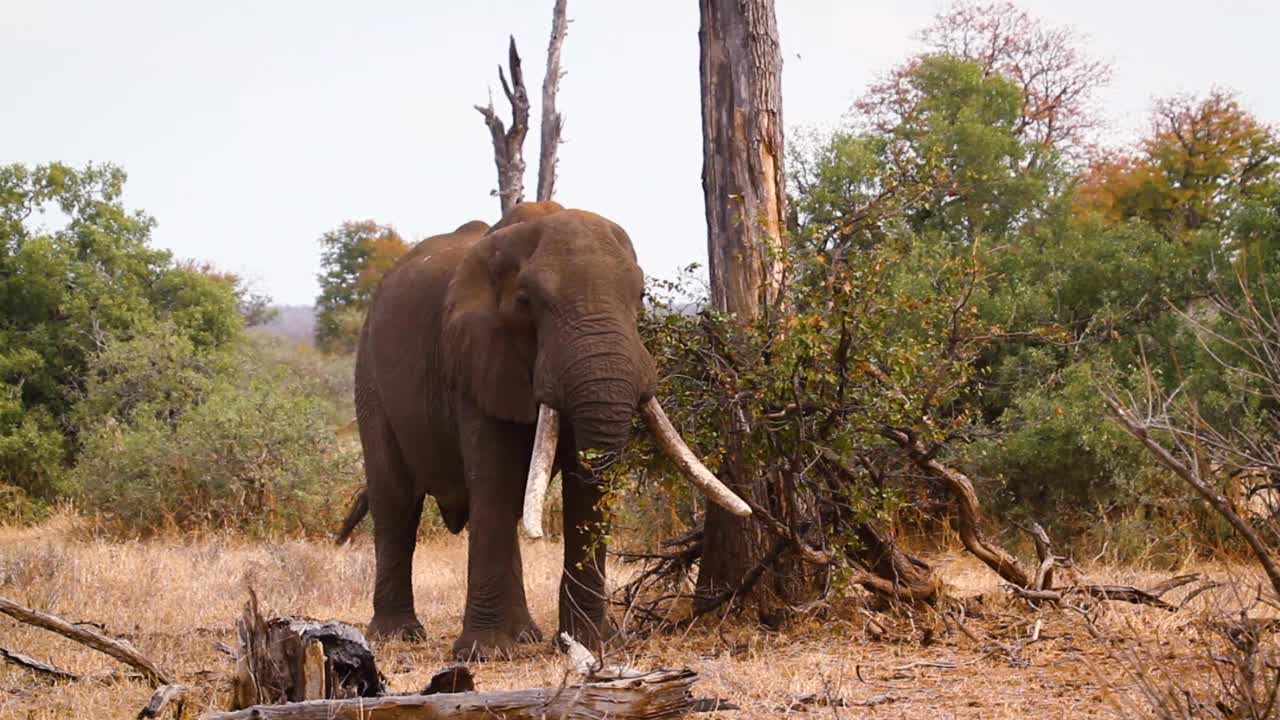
(484, 645)
(528, 634)
(396, 627)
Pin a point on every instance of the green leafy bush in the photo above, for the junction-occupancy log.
(179, 438)
(78, 273)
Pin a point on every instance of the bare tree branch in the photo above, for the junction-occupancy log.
(1190, 472)
(508, 145)
(552, 121)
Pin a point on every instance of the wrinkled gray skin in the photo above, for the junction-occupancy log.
(466, 335)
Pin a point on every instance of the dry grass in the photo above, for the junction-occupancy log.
(175, 600)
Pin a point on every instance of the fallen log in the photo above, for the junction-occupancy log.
(653, 696)
(162, 698)
(41, 668)
(117, 649)
(291, 659)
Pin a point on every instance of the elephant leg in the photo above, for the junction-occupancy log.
(496, 459)
(396, 510)
(523, 628)
(582, 597)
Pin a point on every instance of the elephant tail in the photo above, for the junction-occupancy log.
(359, 508)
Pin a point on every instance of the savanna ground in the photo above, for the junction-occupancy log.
(175, 600)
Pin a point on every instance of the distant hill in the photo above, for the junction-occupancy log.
(293, 322)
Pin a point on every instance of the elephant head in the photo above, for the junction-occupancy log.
(540, 326)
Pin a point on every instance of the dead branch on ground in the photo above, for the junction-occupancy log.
(41, 668)
(1120, 593)
(118, 649)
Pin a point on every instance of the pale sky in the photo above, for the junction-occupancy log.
(250, 128)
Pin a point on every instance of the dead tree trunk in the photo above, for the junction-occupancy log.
(742, 182)
(552, 121)
(508, 144)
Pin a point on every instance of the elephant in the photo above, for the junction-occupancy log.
(490, 359)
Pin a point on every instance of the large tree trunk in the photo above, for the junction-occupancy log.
(742, 158)
(742, 181)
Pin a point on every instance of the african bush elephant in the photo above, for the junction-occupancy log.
(491, 358)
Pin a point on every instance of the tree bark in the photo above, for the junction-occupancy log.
(742, 182)
(508, 145)
(742, 151)
(552, 121)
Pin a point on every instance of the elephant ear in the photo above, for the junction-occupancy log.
(490, 349)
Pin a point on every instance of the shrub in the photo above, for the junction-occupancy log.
(77, 273)
(177, 438)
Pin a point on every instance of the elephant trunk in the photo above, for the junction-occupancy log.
(605, 372)
(607, 379)
(592, 378)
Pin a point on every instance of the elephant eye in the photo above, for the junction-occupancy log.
(522, 300)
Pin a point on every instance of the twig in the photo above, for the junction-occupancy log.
(925, 664)
(1173, 583)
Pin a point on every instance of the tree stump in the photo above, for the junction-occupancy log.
(292, 659)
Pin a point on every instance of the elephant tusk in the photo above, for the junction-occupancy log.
(689, 464)
(544, 455)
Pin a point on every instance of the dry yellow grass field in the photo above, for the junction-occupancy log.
(174, 600)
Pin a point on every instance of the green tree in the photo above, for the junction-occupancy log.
(77, 271)
(1065, 297)
(354, 258)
